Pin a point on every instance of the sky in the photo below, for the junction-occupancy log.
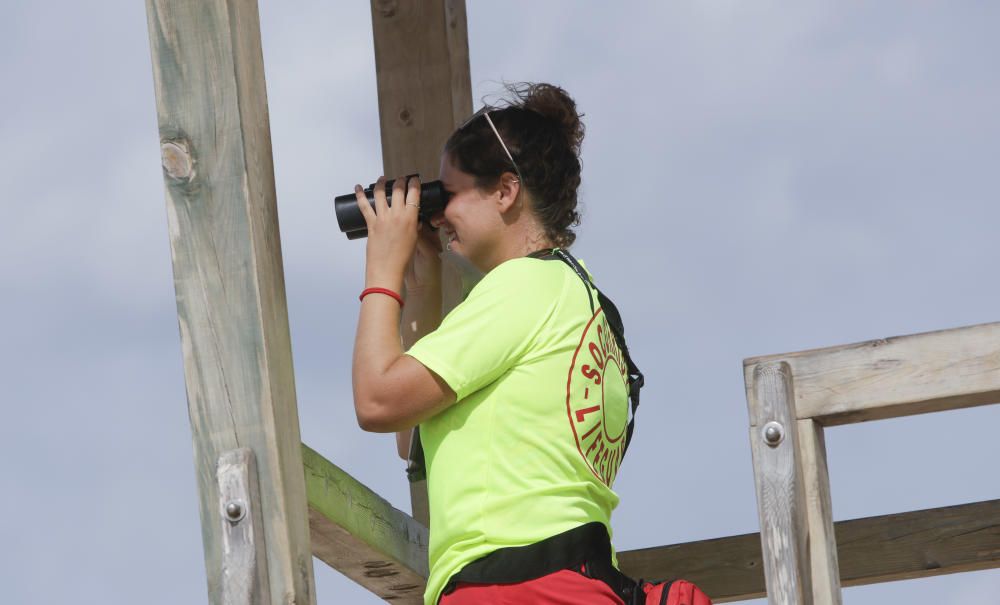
(758, 178)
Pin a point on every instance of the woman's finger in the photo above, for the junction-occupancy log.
(413, 194)
(398, 194)
(381, 205)
(364, 206)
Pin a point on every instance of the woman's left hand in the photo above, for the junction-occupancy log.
(392, 231)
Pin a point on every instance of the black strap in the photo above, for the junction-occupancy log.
(416, 469)
(586, 549)
(635, 377)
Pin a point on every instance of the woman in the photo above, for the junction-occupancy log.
(521, 391)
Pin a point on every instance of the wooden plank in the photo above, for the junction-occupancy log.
(424, 92)
(824, 574)
(919, 544)
(896, 376)
(361, 535)
(244, 554)
(780, 493)
(215, 142)
(916, 544)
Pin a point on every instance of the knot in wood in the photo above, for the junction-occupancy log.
(406, 117)
(386, 8)
(177, 162)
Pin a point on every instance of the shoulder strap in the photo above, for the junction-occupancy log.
(635, 377)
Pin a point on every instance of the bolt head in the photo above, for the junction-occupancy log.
(773, 433)
(234, 510)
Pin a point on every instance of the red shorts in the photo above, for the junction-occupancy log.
(565, 587)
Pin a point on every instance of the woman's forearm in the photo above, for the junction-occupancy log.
(376, 346)
(421, 316)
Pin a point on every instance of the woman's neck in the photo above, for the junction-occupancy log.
(519, 248)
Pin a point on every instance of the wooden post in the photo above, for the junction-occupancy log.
(215, 141)
(824, 572)
(793, 494)
(424, 92)
(773, 442)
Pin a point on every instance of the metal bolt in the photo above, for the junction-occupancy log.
(235, 510)
(773, 433)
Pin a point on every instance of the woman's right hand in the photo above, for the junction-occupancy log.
(423, 274)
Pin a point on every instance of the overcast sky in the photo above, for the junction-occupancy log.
(758, 178)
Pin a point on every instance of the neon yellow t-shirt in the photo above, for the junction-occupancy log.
(533, 444)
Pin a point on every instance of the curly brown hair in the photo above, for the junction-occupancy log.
(543, 131)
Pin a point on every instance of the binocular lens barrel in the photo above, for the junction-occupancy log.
(433, 198)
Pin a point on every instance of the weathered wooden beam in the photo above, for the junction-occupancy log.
(362, 536)
(215, 140)
(896, 376)
(781, 493)
(422, 72)
(424, 92)
(824, 571)
(916, 544)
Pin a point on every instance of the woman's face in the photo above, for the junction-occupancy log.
(471, 221)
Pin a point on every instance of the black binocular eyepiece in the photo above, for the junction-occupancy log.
(433, 198)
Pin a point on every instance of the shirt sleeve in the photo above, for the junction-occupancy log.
(494, 327)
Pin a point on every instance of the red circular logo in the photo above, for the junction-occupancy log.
(597, 399)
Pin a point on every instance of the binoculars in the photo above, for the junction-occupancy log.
(433, 199)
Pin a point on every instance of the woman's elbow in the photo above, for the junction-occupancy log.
(372, 417)
(368, 418)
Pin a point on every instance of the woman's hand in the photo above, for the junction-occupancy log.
(392, 231)
(424, 271)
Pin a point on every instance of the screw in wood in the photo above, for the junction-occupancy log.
(235, 510)
(773, 433)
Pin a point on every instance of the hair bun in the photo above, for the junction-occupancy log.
(553, 103)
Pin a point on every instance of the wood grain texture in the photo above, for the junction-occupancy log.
(359, 534)
(896, 376)
(244, 554)
(780, 495)
(424, 92)
(222, 216)
(824, 574)
(916, 544)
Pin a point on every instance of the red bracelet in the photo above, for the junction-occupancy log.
(385, 291)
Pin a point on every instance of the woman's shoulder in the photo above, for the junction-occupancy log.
(526, 272)
(526, 279)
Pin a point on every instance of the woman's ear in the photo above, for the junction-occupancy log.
(509, 190)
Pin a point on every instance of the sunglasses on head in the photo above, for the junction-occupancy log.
(485, 112)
